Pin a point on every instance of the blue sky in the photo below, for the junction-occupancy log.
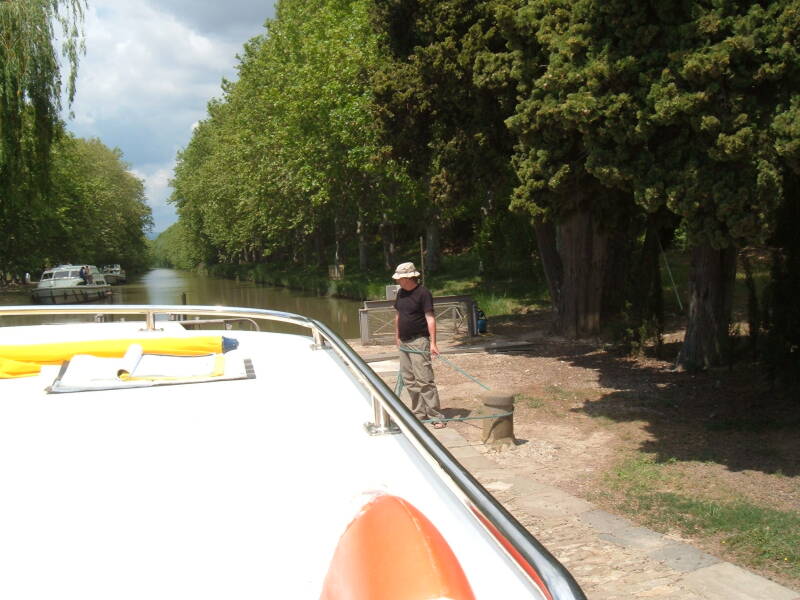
(150, 68)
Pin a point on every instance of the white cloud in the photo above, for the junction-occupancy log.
(157, 190)
(156, 182)
(149, 72)
(144, 62)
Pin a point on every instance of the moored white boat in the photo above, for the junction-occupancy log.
(276, 465)
(64, 285)
(114, 274)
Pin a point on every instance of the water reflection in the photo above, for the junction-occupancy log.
(167, 286)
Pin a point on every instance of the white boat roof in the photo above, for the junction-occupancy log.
(66, 267)
(236, 489)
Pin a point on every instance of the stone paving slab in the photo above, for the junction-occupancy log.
(622, 532)
(733, 583)
(476, 463)
(386, 366)
(683, 557)
(546, 501)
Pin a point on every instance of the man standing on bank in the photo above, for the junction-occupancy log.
(415, 335)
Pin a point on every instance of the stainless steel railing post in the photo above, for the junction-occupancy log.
(319, 341)
(150, 320)
(381, 420)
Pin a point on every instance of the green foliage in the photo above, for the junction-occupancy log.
(632, 335)
(288, 163)
(355, 125)
(673, 103)
(171, 249)
(439, 114)
(717, 94)
(529, 401)
(97, 211)
(687, 107)
(30, 101)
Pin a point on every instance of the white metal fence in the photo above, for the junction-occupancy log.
(455, 316)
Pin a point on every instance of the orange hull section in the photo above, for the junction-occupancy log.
(391, 551)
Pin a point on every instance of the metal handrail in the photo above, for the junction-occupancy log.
(225, 322)
(388, 407)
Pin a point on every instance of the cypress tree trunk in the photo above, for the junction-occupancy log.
(551, 261)
(583, 250)
(710, 299)
(619, 250)
(753, 309)
(648, 301)
(782, 309)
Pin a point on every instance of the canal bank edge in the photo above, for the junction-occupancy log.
(360, 287)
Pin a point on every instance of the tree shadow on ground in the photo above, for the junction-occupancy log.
(455, 413)
(727, 416)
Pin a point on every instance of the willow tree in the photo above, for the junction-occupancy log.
(30, 103)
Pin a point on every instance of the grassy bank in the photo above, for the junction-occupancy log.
(660, 496)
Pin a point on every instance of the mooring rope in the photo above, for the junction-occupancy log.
(398, 388)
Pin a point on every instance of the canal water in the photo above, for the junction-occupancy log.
(168, 286)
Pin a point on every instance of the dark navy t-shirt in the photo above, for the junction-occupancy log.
(411, 308)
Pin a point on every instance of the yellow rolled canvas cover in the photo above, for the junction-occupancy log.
(57, 353)
(10, 369)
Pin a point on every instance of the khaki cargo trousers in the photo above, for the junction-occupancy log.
(417, 373)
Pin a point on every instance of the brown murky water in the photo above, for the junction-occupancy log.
(168, 286)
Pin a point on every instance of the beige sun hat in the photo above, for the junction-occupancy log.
(405, 270)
